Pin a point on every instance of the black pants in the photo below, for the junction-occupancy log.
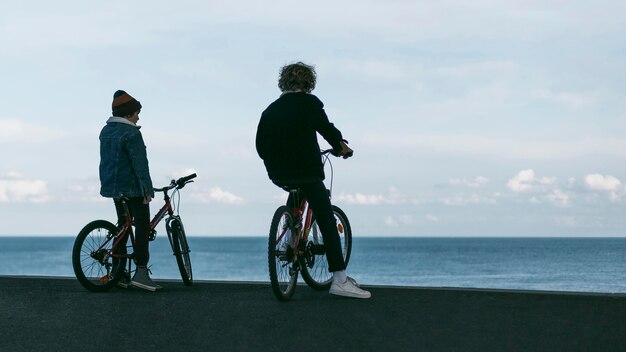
(140, 213)
(317, 196)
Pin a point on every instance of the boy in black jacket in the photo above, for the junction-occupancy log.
(286, 140)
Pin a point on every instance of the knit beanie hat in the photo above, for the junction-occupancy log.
(124, 104)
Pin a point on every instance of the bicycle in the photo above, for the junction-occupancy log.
(99, 255)
(296, 245)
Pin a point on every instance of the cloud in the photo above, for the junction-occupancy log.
(558, 197)
(525, 180)
(566, 221)
(483, 145)
(361, 199)
(477, 182)
(44, 27)
(465, 200)
(544, 189)
(598, 182)
(16, 189)
(390, 221)
(84, 191)
(217, 195)
(393, 197)
(395, 221)
(432, 218)
(570, 100)
(14, 130)
(608, 183)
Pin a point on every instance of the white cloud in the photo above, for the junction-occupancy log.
(217, 195)
(393, 20)
(361, 199)
(84, 191)
(484, 145)
(390, 221)
(571, 182)
(525, 180)
(570, 100)
(458, 200)
(522, 181)
(608, 183)
(598, 182)
(559, 197)
(393, 197)
(566, 221)
(432, 218)
(395, 221)
(16, 189)
(14, 130)
(477, 182)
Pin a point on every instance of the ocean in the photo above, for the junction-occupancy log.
(556, 264)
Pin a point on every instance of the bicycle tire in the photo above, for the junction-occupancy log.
(94, 268)
(283, 269)
(314, 263)
(180, 247)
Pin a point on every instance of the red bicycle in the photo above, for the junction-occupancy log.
(296, 245)
(100, 257)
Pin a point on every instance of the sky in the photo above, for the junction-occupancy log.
(467, 118)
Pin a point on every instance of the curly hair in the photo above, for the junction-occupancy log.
(298, 76)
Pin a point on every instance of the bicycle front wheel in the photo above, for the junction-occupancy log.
(92, 256)
(315, 265)
(181, 250)
(283, 265)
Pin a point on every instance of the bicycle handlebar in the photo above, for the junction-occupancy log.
(333, 153)
(180, 183)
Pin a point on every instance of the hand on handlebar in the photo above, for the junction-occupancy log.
(346, 151)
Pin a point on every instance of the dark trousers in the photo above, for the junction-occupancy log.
(317, 196)
(140, 213)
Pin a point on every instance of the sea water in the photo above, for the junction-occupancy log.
(560, 264)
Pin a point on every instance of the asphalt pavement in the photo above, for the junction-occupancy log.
(57, 314)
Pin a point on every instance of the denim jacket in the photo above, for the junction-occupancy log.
(123, 161)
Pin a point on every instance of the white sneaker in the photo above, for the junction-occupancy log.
(348, 289)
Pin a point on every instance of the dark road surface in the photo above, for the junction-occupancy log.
(57, 314)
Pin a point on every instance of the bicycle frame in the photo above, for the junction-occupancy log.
(127, 228)
(302, 232)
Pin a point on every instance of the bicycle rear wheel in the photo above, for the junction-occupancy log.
(315, 265)
(282, 264)
(181, 250)
(92, 256)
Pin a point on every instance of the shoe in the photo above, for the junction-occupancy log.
(142, 279)
(350, 288)
(124, 280)
(354, 282)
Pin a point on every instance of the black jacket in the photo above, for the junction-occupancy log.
(286, 138)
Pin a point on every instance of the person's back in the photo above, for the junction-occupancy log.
(125, 177)
(287, 133)
(117, 176)
(286, 140)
